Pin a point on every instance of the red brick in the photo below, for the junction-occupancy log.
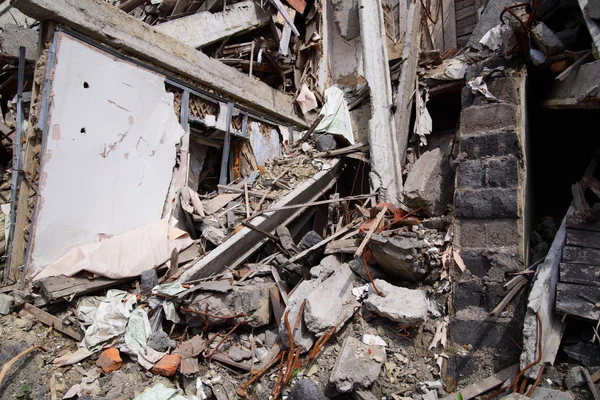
(109, 360)
(167, 366)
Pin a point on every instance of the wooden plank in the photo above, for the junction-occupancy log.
(51, 320)
(449, 25)
(486, 384)
(575, 222)
(346, 246)
(569, 300)
(466, 20)
(583, 238)
(581, 255)
(146, 42)
(580, 274)
(469, 10)
(591, 385)
(464, 29)
(61, 288)
(459, 5)
(370, 233)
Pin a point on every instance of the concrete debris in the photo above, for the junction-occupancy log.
(325, 143)
(575, 378)
(160, 341)
(398, 304)
(336, 292)
(301, 335)
(305, 389)
(357, 366)
(309, 240)
(546, 40)
(148, 280)
(358, 267)
(429, 184)
(399, 256)
(239, 354)
(249, 302)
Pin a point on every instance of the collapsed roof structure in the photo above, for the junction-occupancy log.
(262, 199)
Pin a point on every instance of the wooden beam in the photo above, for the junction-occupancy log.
(588, 275)
(486, 384)
(408, 77)
(51, 320)
(107, 24)
(62, 288)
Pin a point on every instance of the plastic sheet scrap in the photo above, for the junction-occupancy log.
(336, 118)
(451, 70)
(499, 36)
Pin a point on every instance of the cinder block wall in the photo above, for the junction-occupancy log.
(490, 217)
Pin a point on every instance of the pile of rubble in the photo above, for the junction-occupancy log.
(211, 199)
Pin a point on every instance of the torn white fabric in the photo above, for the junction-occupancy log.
(122, 256)
(477, 85)
(306, 99)
(423, 123)
(336, 118)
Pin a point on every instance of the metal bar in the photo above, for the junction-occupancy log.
(184, 116)
(43, 126)
(16, 167)
(226, 147)
(245, 125)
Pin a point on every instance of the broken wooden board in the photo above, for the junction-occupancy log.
(581, 255)
(107, 24)
(217, 203)
(61, 288)
(576, 222)
(580, 274)
(569, 300)
(583, 238)
(345, 246)
(486, 384)
(54, 322)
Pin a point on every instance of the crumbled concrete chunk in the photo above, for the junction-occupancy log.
(238, 353)
(160, 341)
(357, 366)
(399, 304)
(336, 293)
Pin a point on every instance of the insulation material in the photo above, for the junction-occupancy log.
(109, 154)
(266, 146)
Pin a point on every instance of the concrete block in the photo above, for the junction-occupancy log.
(357, 366)
(470, 174)
(399, 304)
(490, 145)
(310, 239)
(358, 267)
(429, 184)
(302, 336)
(542, 393)
(148, 279)
(487, 118)
(475, 70)
(238, 354)
(486, 203)
(160, 341)
(503, 172)
(505, 88)
(399, 256)
(546, 40)
(488, 20)
(477, 263)
(475, 327)
(468, 294)
(326, 267)
(325, 143)
(336, 293)
(487, 234)
(251, 299)
(592, 9)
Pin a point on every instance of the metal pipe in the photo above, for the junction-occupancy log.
(226, 147)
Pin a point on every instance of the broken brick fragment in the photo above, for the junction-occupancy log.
(109, 360)
(167, 366)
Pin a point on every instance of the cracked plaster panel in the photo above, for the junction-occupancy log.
(109, 153)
